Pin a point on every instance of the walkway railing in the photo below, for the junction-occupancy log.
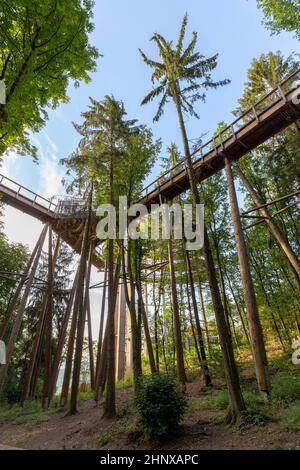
(274, 96)
(21, 191)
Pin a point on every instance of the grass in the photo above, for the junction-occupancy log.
(291, 419)
(125, 383)
(285, 388)
(32, 412)
(103, 439)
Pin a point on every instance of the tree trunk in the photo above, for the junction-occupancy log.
(79, 302)
(256, 334)
(206, 373)
(62, 337)
(101, 326)
(48, 319)
(176, 320)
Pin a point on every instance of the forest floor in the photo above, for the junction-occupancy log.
(274, 426)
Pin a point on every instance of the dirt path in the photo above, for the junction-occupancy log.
(88, 430)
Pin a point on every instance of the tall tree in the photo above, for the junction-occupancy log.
(281, 15)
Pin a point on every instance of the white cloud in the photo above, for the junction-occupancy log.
(50, 179)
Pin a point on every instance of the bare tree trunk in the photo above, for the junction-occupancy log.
(176, 320)
(204, 365)
(203, 310)
(19, 316)
(256, 334)
(62, 337)
(101, 325)
(113, 281)
(80, 304)
(87, 308)
(48, 322)
(148, 338)
(273, 227)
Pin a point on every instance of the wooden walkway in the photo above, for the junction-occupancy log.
(276, 111)
(68, 225)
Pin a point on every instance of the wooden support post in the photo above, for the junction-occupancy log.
(19, 316)
(42, 326)
(256, 334)
(101, 326)
(62, 337)
(273, 227)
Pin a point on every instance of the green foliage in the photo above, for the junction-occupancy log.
(218, 401)
(44, 46)
(13, 257)
(103, 439)
(160, 405)
(255, 417)
(125, 383)
(182, 74)
(292, 417)
(31, 412)
(281, 15)
(285, 388)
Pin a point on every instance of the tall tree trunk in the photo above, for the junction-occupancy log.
(87, 307)
(273, 227)
(204, 365)
(100, 337)
(113, 282)
(62, 337)
(203, 310)
(237, 404)
(176, 320)
(256, 334)
(48, 320)
(80, 305)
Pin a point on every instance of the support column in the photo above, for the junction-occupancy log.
(256, 334)
(21, 309)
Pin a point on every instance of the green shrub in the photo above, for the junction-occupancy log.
(127, 382)
(103, 439)
(292, 418)
(285, 388)
(160, 405)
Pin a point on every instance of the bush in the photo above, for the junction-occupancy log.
(103, 439)
(160, 405)
(285, 389)
(292, 418)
